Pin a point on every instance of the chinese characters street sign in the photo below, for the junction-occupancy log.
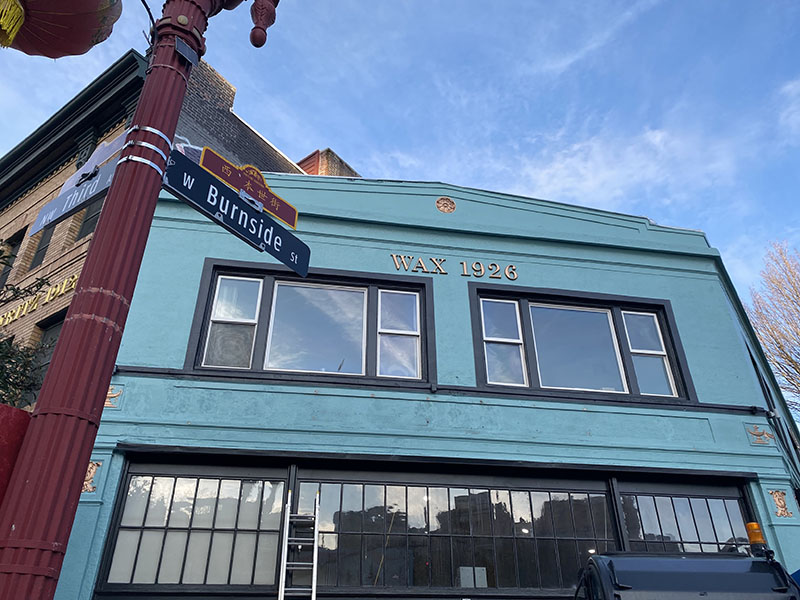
(249, 179)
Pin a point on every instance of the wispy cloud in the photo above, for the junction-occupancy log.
(790, 110)
(557, 64)
(615, 172)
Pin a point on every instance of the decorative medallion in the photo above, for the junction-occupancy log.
(110, 397)
(88, 480)
(779, 496)
(759, 437)
(445, 204)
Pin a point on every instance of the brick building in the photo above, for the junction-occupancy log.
(33, 172)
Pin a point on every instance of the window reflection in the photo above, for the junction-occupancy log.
(317, 329)
(398, 334)
(418, 536)
(684, 524)
(576, 349)
(190, 530)
(232, 328)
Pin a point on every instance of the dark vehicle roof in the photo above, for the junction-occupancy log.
(708, 576)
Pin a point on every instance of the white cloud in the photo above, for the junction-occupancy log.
(790, 113)
(612, 172)
(556, 65)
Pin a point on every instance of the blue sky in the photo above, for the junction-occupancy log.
(686, 112)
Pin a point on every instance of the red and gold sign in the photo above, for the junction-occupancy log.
(249, 179)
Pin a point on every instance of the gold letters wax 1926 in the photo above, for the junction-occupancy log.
(435, 266)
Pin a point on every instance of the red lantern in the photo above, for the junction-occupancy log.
(56, 28)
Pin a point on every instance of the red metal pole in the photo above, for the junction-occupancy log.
(39, 506)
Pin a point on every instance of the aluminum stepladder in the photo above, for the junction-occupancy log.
(292, 540)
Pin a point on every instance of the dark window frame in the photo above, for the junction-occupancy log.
(570, 488)
(91, 216)
(47, 327)
(10, 250)
(214, 268)
(616, 304)
(699, 491)
(293, 469)
(41, 247)
(176, 470)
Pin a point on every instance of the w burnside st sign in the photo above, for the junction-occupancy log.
(238, 212)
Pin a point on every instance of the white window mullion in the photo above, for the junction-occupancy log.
(239, 313)
(400, 365)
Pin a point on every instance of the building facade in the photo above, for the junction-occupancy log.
(483, 389)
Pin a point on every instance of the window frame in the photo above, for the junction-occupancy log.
(519, 343)
(364, 321)
(416, 334)
(271, 275)
(10, 249)
(45, 237)
(705, 490)
(212, 319)
(617, 348)
(615, 305)
(176, 470)
(662, 353)
(91, 216)
(407, 471)
(46, 328)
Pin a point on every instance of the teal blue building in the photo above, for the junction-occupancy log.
(485, 389)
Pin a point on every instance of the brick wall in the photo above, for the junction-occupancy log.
(64, 258)
(207, 119)
(326, 162)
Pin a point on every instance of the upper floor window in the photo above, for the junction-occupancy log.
(8, 252)
(316, 327)
(233, 323)
(577, 345)
(43, 245)
(90, 218)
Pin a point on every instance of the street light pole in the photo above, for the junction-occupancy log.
(39, 505)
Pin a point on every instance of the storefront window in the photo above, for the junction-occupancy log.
(198, 530)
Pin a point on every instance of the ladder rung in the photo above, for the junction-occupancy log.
(296, 530)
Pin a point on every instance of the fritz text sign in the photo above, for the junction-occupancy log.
(40, 299)
(235, 211)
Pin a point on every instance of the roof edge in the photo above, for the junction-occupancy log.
(21, 163)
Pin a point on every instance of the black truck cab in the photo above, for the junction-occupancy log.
(683, 577)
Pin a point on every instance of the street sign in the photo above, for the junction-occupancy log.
(249, 179)
(237, 212)
(74, 198)
(100, 155)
